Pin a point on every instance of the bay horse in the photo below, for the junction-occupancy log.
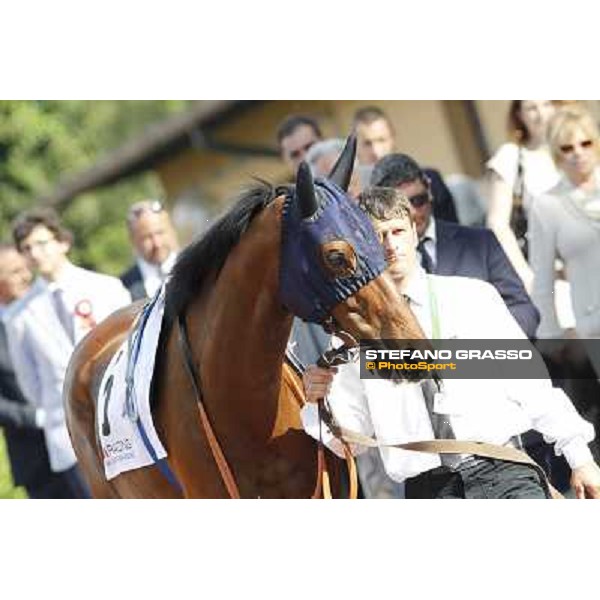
(235, 291)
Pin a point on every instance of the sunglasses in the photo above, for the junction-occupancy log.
(420, 199)
(570, 148)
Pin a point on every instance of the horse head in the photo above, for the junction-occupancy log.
(332, 263)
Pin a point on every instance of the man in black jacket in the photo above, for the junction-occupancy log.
(20, 420)
(451, 249)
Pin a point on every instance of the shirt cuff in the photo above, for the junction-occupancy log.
(577, 453)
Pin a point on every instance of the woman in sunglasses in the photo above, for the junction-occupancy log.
(565, 223)
(519, 171)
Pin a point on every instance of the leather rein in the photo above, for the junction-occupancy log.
(330, 358)
(346, 354)
(322, 486)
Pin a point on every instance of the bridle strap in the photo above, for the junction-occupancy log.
(213, 442)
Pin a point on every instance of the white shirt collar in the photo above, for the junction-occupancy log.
(417, 288)
(431, 231)
(149, 269)
(67, 277)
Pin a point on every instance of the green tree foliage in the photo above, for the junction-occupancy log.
(44, 142)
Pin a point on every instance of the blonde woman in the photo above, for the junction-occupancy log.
(565, 223)
(521, 168)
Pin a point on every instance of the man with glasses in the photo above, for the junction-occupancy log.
(444, 248)
(495, 410)
(154, 241)
(450, 249)
(44, 327)
(295, 136)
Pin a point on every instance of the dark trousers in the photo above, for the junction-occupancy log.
(67, 484)
(477, 478)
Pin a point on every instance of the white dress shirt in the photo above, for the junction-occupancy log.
(40, 347)
(481, 410)
(430, 244)
(154, 275)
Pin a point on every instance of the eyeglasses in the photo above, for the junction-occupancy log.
(40, 244)
(420, 199)
(139, 208)
(570, 148)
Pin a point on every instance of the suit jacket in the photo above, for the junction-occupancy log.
(443, 201)
(41, 349)
(132, 279)
(475, 252)
(25, 443)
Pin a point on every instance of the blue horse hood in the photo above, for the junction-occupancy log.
(307, 287)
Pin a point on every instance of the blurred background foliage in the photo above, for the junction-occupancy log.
(46, 141)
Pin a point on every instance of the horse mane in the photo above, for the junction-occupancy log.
(207, 255)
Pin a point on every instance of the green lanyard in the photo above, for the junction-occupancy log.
(433, 307)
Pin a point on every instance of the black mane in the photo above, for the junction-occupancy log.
(207, 255)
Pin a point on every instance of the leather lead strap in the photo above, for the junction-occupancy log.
(505, 453)
(219, 457)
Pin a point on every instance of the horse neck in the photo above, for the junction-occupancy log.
(246, 327)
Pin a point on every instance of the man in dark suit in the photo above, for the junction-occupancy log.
(452, 249)
(20, 420)
(154, 242)
(376, 138)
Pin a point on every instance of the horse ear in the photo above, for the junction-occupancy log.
(305, 191)
(342, 171)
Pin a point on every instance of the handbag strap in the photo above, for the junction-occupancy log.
(519, 185)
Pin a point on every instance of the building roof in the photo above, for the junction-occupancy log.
(142, 153)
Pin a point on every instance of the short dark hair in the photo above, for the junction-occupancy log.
(292, 122)
(395, 170)
(26, 222)
(369, 114)
(385, 203)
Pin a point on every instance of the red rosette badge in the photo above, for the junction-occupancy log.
(84, 313)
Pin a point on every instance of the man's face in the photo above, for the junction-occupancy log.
(153, 236)
(295, 146)
(375, 141)
(399, 240)
(420, 203)
(44, 253)
(15, 276)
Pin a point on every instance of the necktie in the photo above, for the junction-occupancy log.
(442, 428)
(426, 261)
(63, 313)
(440, 423)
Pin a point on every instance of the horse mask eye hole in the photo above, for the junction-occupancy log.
(339, 258)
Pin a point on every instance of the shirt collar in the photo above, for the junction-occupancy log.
(431, 232)
(150, 269)
(417, 289)
(67, 276)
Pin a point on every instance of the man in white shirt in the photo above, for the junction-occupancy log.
(44, 327)
(480, 410)
(154, 241)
